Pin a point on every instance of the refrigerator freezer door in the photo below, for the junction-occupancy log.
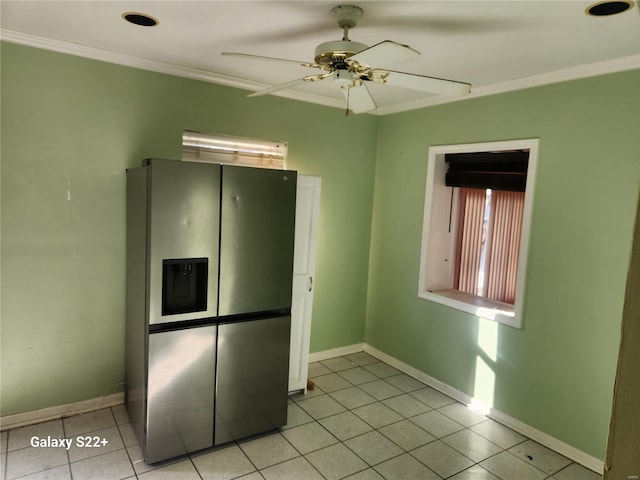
(257, 236)
(252, 377)
(184, 217)
(180, 392)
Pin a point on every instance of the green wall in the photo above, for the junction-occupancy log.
(556, 374)
(70, 128)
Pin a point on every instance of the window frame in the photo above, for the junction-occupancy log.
(437, 245)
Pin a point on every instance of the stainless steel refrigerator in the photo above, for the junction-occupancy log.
(209, 277)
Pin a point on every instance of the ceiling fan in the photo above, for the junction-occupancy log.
(351, 65)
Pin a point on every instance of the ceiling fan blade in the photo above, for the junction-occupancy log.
(383, 54)
(290, 34)
(427, 84)
(359, 99)
(433, 23)
(277, 88)
(271, 59)
(293, 83)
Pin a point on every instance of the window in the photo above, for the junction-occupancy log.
(476, 227)
(248, 152)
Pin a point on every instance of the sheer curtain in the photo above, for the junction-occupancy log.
(503, 245)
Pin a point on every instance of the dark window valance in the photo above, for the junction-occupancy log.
(494, 170)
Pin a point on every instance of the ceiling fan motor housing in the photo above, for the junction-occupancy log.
(334, 53)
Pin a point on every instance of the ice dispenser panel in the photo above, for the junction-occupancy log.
(184, 285)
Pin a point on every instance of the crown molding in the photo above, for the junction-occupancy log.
(123, 59)
(158, 67)
(563, 75)
(566, 74)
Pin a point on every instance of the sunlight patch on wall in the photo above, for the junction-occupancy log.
(485, 377)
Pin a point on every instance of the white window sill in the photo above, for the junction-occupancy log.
(482, 307)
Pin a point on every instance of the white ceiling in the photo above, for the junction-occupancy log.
(494, 45)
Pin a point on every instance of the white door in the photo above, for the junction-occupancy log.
(304, 260)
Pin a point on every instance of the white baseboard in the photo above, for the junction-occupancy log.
(418, 375)
(336, 352)
(542, 438)
(578, 456)
(60, 411)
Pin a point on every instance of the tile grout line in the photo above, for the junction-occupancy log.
(64, 434)
(303, 455)
(297, 399)
(374, 429)
(126, 451)
(432, 409)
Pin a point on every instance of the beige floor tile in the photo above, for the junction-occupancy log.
(321, 406)
(373, 447)
(33, 459)
(352, 397)
(407, 435)
(112, 466)
(369, 474)
(223, 464)
(377, 414)
(88, 422)
(338, 363)
(295, 469)
(405, 382)
(540, 457)
(406, 405)
(382, 370)
(336, 462)
(268, 450)
(576, 472)
(21, 437)
(472, 445)
(499, 434)
(345, 425)
(462, 414)
(442, 459)
(357, 375)
(183, 470)
(309, 437)
(507, 466)
(432, 397)
(380, 389)
(436, 423)
(93, 444)
(405, 467)
(475, 473)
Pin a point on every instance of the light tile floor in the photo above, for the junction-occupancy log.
(365, 420)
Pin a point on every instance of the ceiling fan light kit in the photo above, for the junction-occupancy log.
(351, 66)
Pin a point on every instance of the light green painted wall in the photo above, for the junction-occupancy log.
(70, 127)
(556, 374)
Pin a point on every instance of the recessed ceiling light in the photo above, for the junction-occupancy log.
(141, 19)
(606, 8)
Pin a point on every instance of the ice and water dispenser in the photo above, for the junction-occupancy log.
(184, 285)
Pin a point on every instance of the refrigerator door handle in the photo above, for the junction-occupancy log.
(310, 283)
